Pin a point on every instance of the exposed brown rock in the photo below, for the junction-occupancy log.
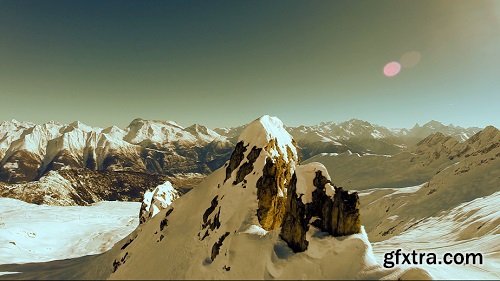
(272, 185)
(294, 227)
(271, 207)
(337, 215)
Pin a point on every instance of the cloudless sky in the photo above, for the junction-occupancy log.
(224, 63)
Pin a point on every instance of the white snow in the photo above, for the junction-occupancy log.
(46, 141)
(256, 230)
(472, 227)
(158, 199)
(38, 233)
(250, 251)
(329, 154)
(305, 176)
(262, 130)
(394, 190)
(377, 134)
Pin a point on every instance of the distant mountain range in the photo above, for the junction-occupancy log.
(361, 136)
(413, 166)
(29, 151)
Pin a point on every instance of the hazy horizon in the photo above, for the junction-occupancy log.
(225, 63)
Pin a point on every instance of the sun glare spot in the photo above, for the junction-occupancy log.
(392, 69)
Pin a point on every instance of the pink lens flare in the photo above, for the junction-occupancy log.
(392, 69)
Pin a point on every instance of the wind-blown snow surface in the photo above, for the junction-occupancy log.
(472, 227)
(38, 233)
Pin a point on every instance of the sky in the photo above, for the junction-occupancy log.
(225, 63)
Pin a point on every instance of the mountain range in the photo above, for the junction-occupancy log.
(29, 151)
(262, 215)
(289, 218)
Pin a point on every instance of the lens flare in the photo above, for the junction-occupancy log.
(410, 59)
(392, 69)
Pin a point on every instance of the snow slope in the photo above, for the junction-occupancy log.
(213, 232)
(39, 233)
(472, 227)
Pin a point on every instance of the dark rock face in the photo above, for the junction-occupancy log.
(211, 209)
(21, 166)
(210, 224)
(164, 221)
(337, 215)
(217, 245)
(235, 160)
(295, 222)
(247, 167)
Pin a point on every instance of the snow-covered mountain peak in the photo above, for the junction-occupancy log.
(265, 130)
(356, 122)
(433, 124)
(139, 122)
(157, 132)
(114, 132)
(202, 133)
(81, 126)
(15, 123)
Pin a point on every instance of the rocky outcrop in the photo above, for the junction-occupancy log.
(247, 167)
(338, 214)
(156, 200)
(272, 185)
(289, 195)
(295, 222)
(216, 247)
(235, 159)
(270, 195)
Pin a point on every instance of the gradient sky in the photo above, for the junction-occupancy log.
(224, 63)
